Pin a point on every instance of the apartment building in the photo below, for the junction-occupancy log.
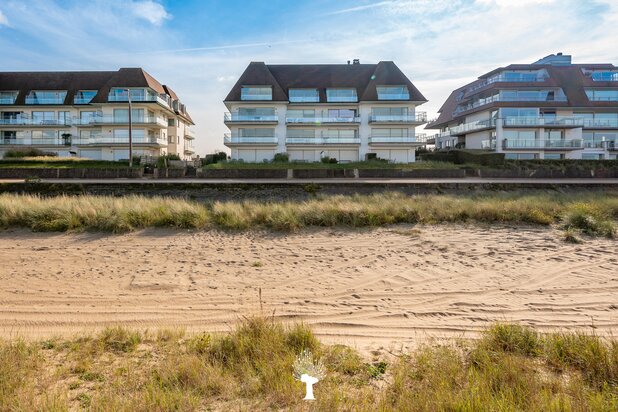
(86, 114)
(550, 109)
(343, 111)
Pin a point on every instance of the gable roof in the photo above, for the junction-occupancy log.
(72, 82)
(362, 77)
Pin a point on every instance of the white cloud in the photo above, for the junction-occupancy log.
(3, 20)
(151, 11)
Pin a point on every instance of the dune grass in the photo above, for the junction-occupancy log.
(370, 164)
(251, 368)
(591, 213)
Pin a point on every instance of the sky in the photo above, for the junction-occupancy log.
(200, 47)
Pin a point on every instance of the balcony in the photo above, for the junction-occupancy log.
(393, 139)
(488, 144)
(21, 121)
(254, 140)
(542, 144)
(417, 118)
(238, 118)
(10, 100)
(469, 127)
(104, 140)
(522, 78)
(565, 122)
(322, 120)
(111, 120)
(52, 141)
(188, 148)
(325, 140)
(605, 76)
(189, 133)
(138, 99)
(497, 98)
(600, 123)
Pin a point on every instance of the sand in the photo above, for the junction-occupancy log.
(390, 287)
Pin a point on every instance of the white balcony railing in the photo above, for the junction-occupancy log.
(137, 120)
(542, 144)
(21, 121)
(393, 139)
(322, 140)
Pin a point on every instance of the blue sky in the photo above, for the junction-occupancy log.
(200, 47)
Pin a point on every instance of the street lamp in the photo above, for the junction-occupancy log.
(130, 130)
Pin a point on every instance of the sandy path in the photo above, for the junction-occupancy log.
(367, 288)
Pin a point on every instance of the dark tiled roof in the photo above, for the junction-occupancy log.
(102, 81)
(362, 77)
(569, 78)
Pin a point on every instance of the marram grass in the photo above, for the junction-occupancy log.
(593, 213)
(511, 368)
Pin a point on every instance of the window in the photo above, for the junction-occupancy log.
(342, 113)
(600, 95)
(591, 156)
(171, 122)
(304, 95)
(44, 117)
(341, 95)
(84, 96)
(301, 133)
(137, 95)
(123, 134)
(257, 132)
(8, 97)
(532, 95)
(389, 132)
(300, 114)
(122, 115)
(64, 118)
(389, 113)
(553, 156)
(604, 76)
(87, 117)
(553, 135)
(256, 93)
(393, 93)
(340, 133)
(171, 139)
(255, 113)
(519, 134)
(520, 156)
(46, 97)
(515, 112)
(44, 136)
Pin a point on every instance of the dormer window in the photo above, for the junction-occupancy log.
(256, 93)
(84, 96)
(604, 76)
(46, 97)
(304, 95)
(393, 93)
(602, 95)
(341, 95)
(8, 97)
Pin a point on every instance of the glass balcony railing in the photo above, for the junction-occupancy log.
(319, 120)
(542, 144)
(600, 123)
(189, 133)
(235, 117)
(392, 139)
(418, 117)
(605, 76)
(139, 99)
(498, 98)
(82, 100)
(102, 139)
(543, 121)
(35, 100)
(230, 139)
(137, 120)
(322, 140)
(511, 78)
(489, 144)
(20, 121)
(7, 100)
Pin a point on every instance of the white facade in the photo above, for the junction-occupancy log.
(309, 132)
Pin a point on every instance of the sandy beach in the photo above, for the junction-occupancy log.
(388, 287)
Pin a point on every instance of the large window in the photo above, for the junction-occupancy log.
(136, 134)
(605, 76)
(8, 97)
(598, 119)
(553, 135)
(256, 93)
(137, 95)
(342, 113)
(46, 97)
(519, 76)
(256, 132)
(257, 112)
(341, 95)
(532, 95)
(507, 112)
(44, 117)
(302, 133)
(389, 112)
(390, 132)
(84, 96)
(601, 95)
(393, 93)
(304, 95)
(340, 133)
(122, 115)
(519, 134)
(44, 136)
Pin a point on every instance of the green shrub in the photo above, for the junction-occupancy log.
(590, 220)
(514, 338)
(118, 339)
(31, 152)
(281, 158)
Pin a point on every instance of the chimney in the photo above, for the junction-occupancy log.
(355, 61)
(348, 62)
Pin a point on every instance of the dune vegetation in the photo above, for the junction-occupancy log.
(252, 368)
(591, 212)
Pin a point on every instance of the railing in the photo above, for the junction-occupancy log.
(542, 144)
(189, 133)
(228, 139)
(235, 117)
(146, 120)
(497, 98)
(100, 139)
(605, 77)
(189, 148)
(319, 120)
(138, 99)
(50, 141)
(309, 99)
(35, 122)
(392, 139)
(541, 121)
(504, 79)
(323, 140)
(469, 127)
(418, 117)
(588, 123)
(35, 100)
(8, 101)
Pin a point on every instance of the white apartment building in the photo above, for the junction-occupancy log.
(550, 109)
(343, 111)
(86, 114)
